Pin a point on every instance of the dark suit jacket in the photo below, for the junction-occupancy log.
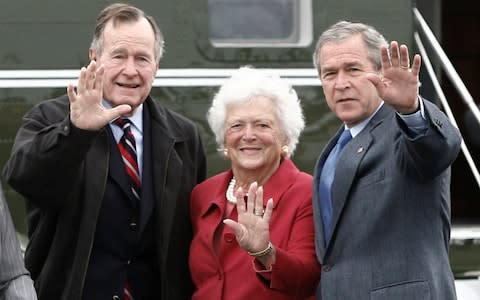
(391, 212)
(62, 171)
(124, 243)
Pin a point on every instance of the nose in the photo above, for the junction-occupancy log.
(342, 81)
(249, 132)
(129, 67)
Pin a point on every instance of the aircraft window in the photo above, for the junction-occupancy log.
(266, 23)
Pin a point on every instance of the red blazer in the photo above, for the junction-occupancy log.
(231, 273)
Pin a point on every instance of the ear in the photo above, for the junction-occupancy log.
(284, 149)
(225, 152)
(91, 54)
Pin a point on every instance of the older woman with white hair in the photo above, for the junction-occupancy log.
(253, 226)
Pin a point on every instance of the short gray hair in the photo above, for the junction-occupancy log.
(124, 13)
(343, 30)
(248, 82)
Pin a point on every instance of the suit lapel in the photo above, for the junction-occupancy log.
(163, 160)
(147, 201)
(96, 166)
(320, 245)
(346, 170)
(280, 182)
(345, 173)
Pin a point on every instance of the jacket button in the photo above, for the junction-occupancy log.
(229, 237)
(326, 268)
(115, 297)
(133, 226)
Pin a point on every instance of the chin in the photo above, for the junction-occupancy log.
(133, 101)
(254, 165)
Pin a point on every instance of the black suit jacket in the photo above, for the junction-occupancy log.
(62, 172)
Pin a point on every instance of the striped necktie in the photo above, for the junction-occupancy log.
(128, 150)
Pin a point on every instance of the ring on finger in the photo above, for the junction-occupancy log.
(258, 212)
(404, 67)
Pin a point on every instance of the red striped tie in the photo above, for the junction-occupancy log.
(127, 292)
(128, 150)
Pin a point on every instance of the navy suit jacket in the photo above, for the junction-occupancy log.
(391, 212)
(124, 246)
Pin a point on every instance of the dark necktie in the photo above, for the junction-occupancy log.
(128, 150)
(326, 180)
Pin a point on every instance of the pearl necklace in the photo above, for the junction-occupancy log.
(229, 194)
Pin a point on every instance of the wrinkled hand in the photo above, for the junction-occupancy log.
(252, 231)
(399, 84)
(86, 109)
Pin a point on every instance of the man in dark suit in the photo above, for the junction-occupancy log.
(104, 223)
(15, 281)
(382, 207)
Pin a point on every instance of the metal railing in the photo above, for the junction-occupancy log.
(424, 31)
(164, 77)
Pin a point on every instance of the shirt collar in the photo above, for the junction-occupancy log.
(359, 127)
(136, 118)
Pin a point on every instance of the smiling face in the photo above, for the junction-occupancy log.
(253, 137)
(129, 61)
(350, 95)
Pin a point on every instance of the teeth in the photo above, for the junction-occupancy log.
(129, 85)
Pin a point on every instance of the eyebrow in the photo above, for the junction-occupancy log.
(123, 50)
(262, 120)
(343, 66)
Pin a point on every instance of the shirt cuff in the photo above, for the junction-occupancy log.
(416, 122)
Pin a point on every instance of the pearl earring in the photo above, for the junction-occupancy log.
(225, 152)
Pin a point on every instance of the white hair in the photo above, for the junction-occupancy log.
(248, 82)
